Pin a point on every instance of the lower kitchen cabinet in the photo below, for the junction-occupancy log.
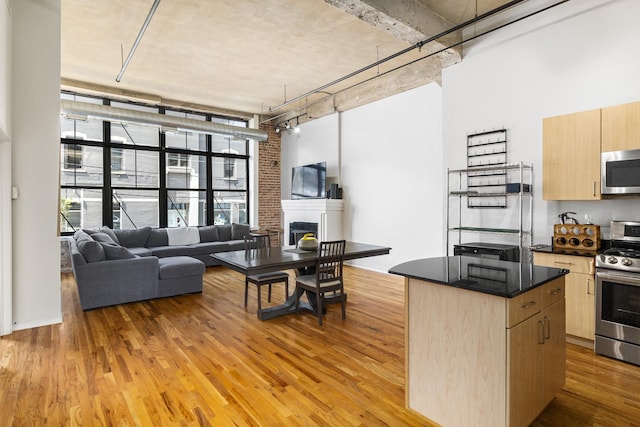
(479, 358)
(580, 291)
(536, 362)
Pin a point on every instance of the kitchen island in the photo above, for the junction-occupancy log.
(485, 339)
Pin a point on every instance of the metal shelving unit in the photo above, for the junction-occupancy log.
(516, 190)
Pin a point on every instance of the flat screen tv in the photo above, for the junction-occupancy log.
(309, 181)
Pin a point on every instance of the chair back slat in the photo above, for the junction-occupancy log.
(330, 261)
(256, 241)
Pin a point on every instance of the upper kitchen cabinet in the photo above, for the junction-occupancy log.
(571, 157)
(621, 127)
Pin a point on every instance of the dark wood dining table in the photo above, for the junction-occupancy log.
(257, 261)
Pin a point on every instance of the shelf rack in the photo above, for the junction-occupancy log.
(520, 191)
(487, 149)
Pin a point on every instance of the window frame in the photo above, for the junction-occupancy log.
(110, 143)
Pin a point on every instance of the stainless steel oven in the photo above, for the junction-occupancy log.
(618, 294)
(618, 315)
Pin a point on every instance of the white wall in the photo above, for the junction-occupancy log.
(390, 154)
(35, 135)
(5, 69)
(6, 301)
(318, 141)
(575, 57)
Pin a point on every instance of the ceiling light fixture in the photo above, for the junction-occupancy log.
(297, 128)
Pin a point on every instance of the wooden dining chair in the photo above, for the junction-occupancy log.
(262, 242)
(327, 277)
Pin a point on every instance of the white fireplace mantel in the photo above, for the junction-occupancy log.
(327, 213)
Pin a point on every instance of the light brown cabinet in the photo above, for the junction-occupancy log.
(536, 363)
(580, 291)
(472, 356)
(621, 127)
(571, 157)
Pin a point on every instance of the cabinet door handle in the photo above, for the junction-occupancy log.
(547, 329)
(529, 305)
(589, 282)
(556, 291)
(541, 335)
(594, 189)
(562, 263)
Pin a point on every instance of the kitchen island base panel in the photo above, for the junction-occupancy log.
(462, 334)
(473, 356)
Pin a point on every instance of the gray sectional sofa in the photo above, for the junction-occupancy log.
(118, 266)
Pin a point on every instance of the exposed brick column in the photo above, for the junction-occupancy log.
(269, 209)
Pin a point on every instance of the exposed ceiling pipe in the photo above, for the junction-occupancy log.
(83, 110)
(137, 42)
(544, 9)
(418, 45)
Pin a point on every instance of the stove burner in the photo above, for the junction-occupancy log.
(623, 252)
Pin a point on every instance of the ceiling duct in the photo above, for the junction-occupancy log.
(75, 109)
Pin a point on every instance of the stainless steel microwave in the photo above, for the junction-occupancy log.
(620, 172)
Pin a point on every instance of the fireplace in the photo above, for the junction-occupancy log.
(324, 214)
(297, 229)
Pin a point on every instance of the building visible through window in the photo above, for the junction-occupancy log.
(73, 157)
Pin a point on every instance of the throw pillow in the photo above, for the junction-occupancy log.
(110, 233)
(238, 231)
(103, 238)
(91, 250)
(224, 232)
(208, 233)
(115, 251)
(157, 238)
(133, 237)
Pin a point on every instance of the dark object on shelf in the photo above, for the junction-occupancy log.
(334, 192)
(515, 188)
(488, 250)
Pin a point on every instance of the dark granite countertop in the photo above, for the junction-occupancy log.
(502, 278)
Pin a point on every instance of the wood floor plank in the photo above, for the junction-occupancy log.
(206, 360)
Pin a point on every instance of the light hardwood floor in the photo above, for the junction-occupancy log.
(205, 360)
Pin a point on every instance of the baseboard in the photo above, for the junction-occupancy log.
(38, 324)
(582, 342)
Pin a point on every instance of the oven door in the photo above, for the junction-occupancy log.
(618, 305)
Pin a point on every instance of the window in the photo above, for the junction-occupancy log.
(117, 160)
(80, 208)
(152, 177)
(177, 160)
(72, 157)
(229, 168)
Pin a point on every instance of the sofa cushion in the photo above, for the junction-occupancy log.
(208, 233)
(157, 237)
(180, 266)
(133, 237)
(238, 231)
(210, 248)
(109, 232)
(224, 232)
(103, 238)
(115, 251)
(90, 249)
(140, 251)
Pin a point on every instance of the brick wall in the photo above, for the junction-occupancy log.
(269, 208)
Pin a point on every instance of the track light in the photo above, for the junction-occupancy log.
(297, 128)
(287, 125)
(277, 129)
